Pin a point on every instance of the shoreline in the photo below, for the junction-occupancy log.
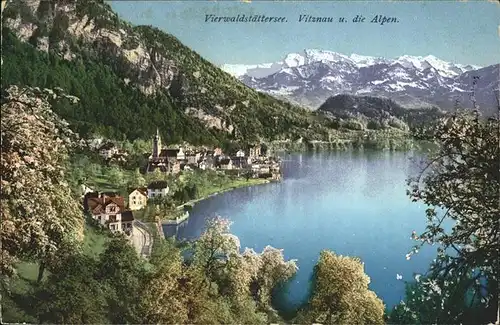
(186, 215)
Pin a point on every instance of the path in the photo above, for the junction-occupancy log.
(142, 239)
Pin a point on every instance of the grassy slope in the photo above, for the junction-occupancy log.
(16, 307)
(240, 182)
(104, 183)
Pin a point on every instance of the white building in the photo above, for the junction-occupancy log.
(158, 189)
(181, 155)
(138, 198)
(193, 158)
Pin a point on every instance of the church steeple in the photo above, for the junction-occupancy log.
(156, 144)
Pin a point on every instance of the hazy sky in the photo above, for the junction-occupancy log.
(462, 32)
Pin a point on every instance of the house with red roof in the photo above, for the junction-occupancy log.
(109, 210)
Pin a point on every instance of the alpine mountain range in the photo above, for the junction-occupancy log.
(311, 77)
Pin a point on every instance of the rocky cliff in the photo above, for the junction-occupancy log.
(152, 62)
(56, 26)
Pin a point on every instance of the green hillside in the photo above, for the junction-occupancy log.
(132, 80)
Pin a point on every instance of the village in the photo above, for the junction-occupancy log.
(118, 214)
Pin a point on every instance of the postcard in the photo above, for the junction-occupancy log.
(250, 162)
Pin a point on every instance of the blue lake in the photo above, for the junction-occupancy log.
(353, 203)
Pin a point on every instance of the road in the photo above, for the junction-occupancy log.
(142, 239)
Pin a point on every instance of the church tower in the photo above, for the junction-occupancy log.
(156, 144)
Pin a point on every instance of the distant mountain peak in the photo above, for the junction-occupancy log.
(311, 76)
(313, 55)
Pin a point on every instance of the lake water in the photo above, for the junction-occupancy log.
(353, 203)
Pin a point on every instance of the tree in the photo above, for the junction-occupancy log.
(273, 271)
(242, 271)
(427, 303)
(247, 278)
(213, 247)
(141, 146)
(214, 284)
(71, 294)
(164, 297)
(137, 179)
(38, 212)
(340, 294)
(156, 175)
(460, 183)
(373, 125)
(116, 177)
(120, 272)
(248, 174)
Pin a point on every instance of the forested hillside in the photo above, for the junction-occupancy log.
(107, 105)
(132, 80)
(368, 112)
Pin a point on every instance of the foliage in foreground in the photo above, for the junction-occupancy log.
(85, 289)
(217, 285)
(39, 215)
(340, 294)
(461, 185)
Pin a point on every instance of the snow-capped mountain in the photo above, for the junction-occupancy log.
(254, 70)
(311, 77)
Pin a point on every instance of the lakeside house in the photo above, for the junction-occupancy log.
(157, 189)
(96, 194)
(193, 157)
(120, 157)
(92, 143)
(180, 154)
(254, 151)
(110, 212)
(189, 167)
(173, 160)
(206, 163)
(226, 163)
(241, 162)
(110, 152)
(138, 198)
(188, 158)
(264, 169)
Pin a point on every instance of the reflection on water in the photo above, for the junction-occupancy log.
(173, 230)
(353, 203)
